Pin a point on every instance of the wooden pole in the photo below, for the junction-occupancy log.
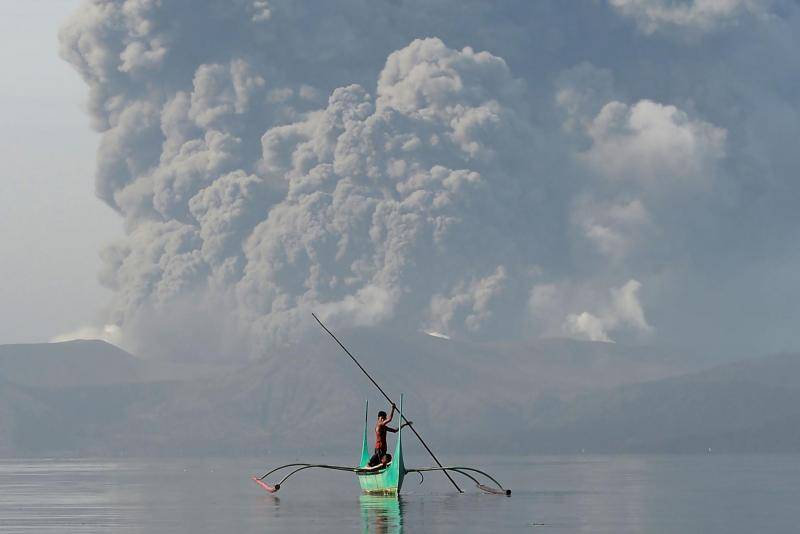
(402, 417)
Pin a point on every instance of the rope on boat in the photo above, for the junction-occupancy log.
(461, 470)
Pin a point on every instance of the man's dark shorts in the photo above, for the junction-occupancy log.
(376, 458)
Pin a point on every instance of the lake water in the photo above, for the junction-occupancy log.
(598, 494)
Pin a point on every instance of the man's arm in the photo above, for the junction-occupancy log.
(386, 421)
(390, 429)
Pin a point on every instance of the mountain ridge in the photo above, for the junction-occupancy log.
(537, 396)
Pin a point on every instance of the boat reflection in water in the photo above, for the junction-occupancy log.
(381, 514)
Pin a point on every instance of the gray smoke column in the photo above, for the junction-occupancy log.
(459, 167)
(253, 194)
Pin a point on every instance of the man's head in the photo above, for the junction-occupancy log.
(386, 458)
(381, 416)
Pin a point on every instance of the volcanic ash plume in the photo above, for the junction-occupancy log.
(270, 158)
(249, 201)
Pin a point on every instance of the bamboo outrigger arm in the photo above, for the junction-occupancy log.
(299, 467)
(321, 466)
(461, 470)
(500, 490)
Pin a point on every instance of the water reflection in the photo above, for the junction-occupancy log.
(552, 495)
(381, 514)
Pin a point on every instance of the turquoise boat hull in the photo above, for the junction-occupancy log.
(388, 481)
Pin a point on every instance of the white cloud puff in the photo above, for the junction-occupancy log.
(467, 303)
(613, 310)
(614, 228)
(699, 15)
(653, 144)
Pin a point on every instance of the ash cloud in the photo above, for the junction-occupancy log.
(692, 15)
(468, 168)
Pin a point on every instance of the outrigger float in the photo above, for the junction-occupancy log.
(386, 480)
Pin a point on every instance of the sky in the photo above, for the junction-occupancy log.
(609, 170)
(51, 224)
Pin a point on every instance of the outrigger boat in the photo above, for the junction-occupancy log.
(387, 480)
(384, 480)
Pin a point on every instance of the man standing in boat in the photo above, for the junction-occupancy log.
(381, 427)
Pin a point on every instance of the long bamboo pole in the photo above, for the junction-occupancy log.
(414, 430)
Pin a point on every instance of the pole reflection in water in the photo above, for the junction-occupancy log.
(381, 514)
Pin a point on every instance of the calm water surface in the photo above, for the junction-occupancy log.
(598, 494)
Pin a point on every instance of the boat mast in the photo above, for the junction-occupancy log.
(364, 445)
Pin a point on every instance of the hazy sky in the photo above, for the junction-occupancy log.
(613, 170)
(51, 224)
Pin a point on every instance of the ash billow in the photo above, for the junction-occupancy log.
(271, 158)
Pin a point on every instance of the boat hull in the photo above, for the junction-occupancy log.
(388, 481)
